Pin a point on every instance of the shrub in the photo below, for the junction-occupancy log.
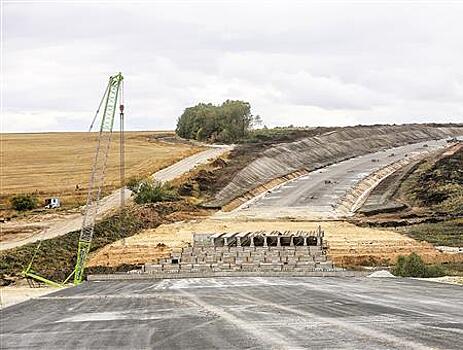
(414, 266)
(149, 191)
(133, 183)
(23, 202)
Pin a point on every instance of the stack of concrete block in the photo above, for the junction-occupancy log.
(246, 259)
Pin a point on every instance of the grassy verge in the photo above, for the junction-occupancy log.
(448, 233)
(453, 269)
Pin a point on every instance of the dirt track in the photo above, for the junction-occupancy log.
(58, 226)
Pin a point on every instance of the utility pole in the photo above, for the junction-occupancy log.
(122, 153)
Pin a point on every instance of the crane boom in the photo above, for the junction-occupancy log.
(110, 100)
(112, 95)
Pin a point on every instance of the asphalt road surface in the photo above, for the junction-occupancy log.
(241, 313)
(320, 192)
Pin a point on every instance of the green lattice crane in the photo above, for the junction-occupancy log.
(110, 99)
(113, 94)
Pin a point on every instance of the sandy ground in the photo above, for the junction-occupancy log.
(445, 279)
(14, 295)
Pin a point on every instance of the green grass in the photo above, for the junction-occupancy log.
(149, 191)
(281, 134)
(453, 269)
(448, 233)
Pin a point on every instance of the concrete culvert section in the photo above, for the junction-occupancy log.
(239, 253)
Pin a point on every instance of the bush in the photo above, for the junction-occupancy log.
(149, 191)
(133, 183)
(414, 266)
(23, 202)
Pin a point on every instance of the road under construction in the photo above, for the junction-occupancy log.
(261, 304)
(241, 313)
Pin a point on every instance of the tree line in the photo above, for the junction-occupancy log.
(228, 122)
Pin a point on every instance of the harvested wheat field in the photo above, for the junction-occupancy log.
(53, 164)
(349, 245)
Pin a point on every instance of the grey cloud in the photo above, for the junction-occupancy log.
(297, 63)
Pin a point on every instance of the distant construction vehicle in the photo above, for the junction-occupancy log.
(52, 203)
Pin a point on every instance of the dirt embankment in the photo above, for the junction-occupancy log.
(424, 200)
(310, 153)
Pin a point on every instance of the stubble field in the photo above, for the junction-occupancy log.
(59, 164)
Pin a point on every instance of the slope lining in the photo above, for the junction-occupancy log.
(318, 151)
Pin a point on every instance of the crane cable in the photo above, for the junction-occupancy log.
(98, 110)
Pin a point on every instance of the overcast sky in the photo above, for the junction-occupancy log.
(300, 63)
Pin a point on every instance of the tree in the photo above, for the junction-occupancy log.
(227, 122)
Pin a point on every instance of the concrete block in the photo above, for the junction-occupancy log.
(153, 267)
(325, 265)
(288, 267)
(228, 259)
(244, 254)
(306, 265)
(248, 267)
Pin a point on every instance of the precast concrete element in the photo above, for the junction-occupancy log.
(257, 252)
(260, 238)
